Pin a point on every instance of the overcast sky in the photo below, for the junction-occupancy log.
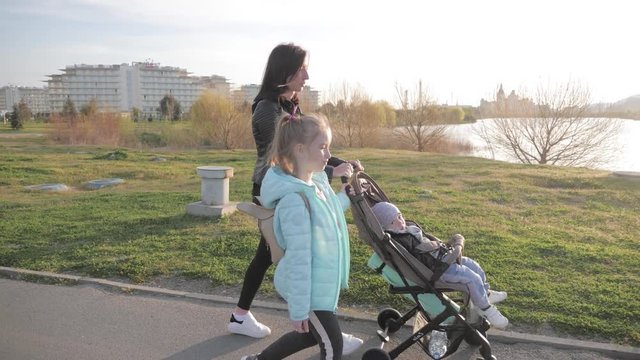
(461, 50)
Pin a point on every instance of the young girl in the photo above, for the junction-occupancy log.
(431, 252)
(315, 265)
(284, 77)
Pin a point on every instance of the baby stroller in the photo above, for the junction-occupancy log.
(441, 323)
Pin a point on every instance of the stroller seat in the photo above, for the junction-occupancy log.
(407, 276)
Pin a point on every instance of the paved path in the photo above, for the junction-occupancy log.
(94, 321)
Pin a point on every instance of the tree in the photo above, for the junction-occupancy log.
(219, 122)
(390, 116)
(90, 109)
(136, 114)
(21, 113)
(355, 120)
(368, 119)
(418, 119)
(69, 109)
(344, 100)
(170, 108)
(177, 111)
(553, 128)
(14, 119)
(453, 115)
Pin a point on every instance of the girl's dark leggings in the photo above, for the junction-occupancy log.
(257, 268)
(324, 331)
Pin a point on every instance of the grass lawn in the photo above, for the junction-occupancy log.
(563, 242)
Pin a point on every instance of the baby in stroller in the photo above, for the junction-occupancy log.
(446, 261)
(440, 323)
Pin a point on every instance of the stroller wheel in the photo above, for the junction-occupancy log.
(375, 354)
(387, 319)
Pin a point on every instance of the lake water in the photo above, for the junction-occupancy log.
(625, 158)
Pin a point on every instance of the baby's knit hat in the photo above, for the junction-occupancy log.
(385, 213)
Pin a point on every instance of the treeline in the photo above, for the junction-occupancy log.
(215, 121)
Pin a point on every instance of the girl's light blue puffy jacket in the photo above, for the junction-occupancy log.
(315, 265)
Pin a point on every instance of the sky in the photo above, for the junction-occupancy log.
(460, 51)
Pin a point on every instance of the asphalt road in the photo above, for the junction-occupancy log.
(39, 321)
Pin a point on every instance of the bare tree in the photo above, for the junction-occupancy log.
(416, 120)
(346, 119)
(552, 128)
(219, 122)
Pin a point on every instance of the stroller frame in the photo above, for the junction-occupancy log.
(416, 281)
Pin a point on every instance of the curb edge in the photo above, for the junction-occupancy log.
(507, 337)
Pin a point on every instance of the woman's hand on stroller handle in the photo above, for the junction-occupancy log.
(343, 170)
(357, 166)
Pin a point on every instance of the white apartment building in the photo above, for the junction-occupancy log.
(123, 87)
(35, 98)
(309, 99)
(217, 84)
(246, 94)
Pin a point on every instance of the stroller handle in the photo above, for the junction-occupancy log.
(363, 183)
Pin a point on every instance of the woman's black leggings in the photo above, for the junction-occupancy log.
(324, 331)
(257, 268)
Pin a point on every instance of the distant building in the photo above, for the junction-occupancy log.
(216, 84)
(309, 99)
(245, 95)
(123, 87)
(140, 85)
(35, 98)
(511, 105)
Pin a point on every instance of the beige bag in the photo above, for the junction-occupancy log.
(265, 224)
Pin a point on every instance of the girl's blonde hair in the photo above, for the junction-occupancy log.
(290, 131)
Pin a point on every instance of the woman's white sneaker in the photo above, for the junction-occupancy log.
(350, 343)
(247, 325)
(494, 316)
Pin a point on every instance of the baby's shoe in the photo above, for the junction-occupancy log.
(350, 343)
(494, 316)
(497, 296)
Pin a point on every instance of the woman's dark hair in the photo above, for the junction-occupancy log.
(284, 61)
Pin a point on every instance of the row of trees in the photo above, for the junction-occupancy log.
(356, 120)
(170, 109)
(553, 128)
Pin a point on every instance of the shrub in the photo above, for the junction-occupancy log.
(153, 139)
(98, 129)
(114, 155)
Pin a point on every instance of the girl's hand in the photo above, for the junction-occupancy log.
(301, 326)
(348, 189)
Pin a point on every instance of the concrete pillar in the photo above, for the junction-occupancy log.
(214, 192)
